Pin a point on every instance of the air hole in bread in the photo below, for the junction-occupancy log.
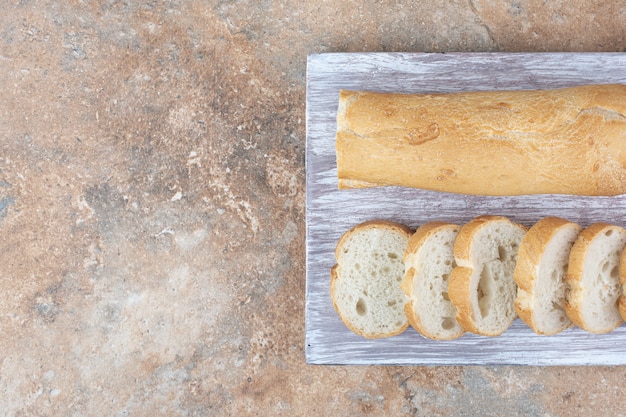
(608, 232)
(391, 303)
(557, 307)
(554, 275)
(357, 266)
(361, 309)
(445, 277)
(483, 291)
(448, 323)
(615, 272)
(445, 296)
(392, 255)
(501, 253)
(447, 262)
(386, 269)
(598, 281)
(605, 267)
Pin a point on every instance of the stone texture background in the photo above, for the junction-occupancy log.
(152, 207)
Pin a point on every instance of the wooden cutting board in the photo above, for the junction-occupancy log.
(331, 212)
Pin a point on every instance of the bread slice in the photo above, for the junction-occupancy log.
(428, 262)
(365, 282)
(541, 273)
(481, 286)
(593, 278)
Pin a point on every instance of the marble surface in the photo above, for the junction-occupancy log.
(152, 207)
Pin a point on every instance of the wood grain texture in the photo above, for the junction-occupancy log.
(330, 212)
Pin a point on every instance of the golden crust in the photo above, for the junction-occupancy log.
(526, 315)
(414, 320)
(460, 295)
(488, 143)
(621, 305)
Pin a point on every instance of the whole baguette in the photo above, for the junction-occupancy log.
(563, 141)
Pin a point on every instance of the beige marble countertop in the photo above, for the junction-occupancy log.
(152, 207)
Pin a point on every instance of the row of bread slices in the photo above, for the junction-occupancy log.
(444, 279)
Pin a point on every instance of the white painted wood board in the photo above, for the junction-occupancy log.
(330, 212)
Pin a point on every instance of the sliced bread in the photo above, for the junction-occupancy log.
(541, 273)
(428, 262)
(593, 278)
(481, 286)
(365, 282)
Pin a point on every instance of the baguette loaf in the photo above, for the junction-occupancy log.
(541, 272)
(564, 141)
(365, 282)
(593, 278)
(481, 286)
(428, 262)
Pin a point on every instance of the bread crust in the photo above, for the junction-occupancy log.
(563, 141)
(416, 240)
(621, 303)
(529, 256)
(460, 294)
(334, 276)
(459, 287)
(575, 298)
